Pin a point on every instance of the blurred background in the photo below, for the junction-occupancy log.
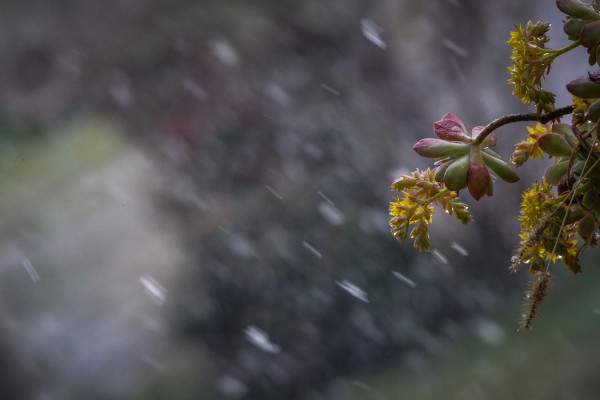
(194, 201)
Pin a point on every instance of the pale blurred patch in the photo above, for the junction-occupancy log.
(79, 231)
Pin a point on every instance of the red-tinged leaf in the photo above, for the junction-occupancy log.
(450, 127)
(478, 177)
(438, 148)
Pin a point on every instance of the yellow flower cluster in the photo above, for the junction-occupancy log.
(531, 62)
(535, 206)
(406, 212)
(581, 106)
(530, 147)
(544, 236)
(419, 193)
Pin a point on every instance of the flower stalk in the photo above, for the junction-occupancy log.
(512, 118)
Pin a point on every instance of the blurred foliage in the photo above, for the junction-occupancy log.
(547, 363)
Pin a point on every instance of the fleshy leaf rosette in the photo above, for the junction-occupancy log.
(461, 161)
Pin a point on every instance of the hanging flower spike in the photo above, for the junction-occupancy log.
(419, 193)
(546, 233)
(531, 62)
(530, 147)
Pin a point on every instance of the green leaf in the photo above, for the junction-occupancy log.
(555, 145)
(504, 170)
(572, 263)
(455, 177)
(556, 171)
(421, 236)
(461, 213)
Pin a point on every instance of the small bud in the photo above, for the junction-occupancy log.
(504, 171)
(438, 148)
(555, 145)
(478, 177)
(424, 185)
(397, 220)
(584, 87)
(403, 182)
(577, 9)
(451, 128)
(455, 177)
(521, 153)
(539, 29)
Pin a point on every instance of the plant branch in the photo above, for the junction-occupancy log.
(509, 119)
(441, 194)
(557, 52)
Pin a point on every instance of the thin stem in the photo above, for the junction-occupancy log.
(558, 235)
(579, 189)
(509, 119)
(557, 52)
(441, 194)
(578, 183)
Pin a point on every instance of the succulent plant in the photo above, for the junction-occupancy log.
(566, 202)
